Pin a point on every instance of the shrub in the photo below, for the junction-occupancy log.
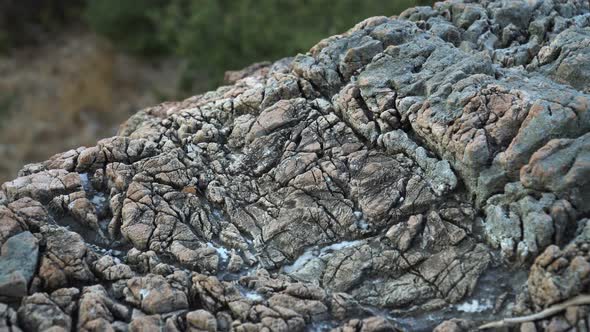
(27, 21)
(216, 35)
(131, 24)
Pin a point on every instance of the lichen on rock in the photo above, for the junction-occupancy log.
(404, 174)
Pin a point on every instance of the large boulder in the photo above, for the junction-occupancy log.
(414, 172)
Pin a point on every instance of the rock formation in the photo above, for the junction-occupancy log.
(426, 169)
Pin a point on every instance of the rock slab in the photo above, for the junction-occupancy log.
(18, 261)
(420, 172)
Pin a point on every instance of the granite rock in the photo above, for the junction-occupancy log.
(423, 171)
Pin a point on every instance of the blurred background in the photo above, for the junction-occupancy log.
(72, 70)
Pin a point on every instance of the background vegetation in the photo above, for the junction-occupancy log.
(212, 35)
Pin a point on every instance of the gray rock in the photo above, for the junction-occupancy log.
(8, 318)
(154, 294)
(18, 263)
(558, 274)
(38, 313)
(365, 185)
(201, 320)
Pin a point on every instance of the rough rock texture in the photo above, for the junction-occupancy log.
(17, 264)
(428, 170)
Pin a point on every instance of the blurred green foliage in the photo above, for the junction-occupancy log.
(24, 22)
(213, 35)
(6, 102)
(133, 25)
(217, 35)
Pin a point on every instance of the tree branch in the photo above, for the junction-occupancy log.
(575, 301)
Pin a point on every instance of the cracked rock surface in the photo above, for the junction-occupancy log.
(417, 172)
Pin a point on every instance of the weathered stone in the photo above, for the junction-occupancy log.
(43, 186)
(561, 166)
(65, 260)
(558, 274)
(142, 323)
(39, 313)
(154, 294)
(97, 310)
(18, 263)
(369, 174)
(109, 268)
(201, 320)
(66, 299)
(454, 325)
(8, 319)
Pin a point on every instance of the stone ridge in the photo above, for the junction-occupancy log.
(426, 169)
